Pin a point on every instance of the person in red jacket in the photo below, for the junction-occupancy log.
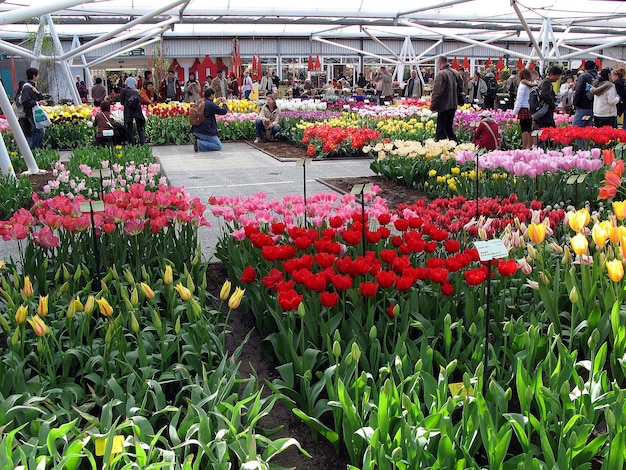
(486, 136)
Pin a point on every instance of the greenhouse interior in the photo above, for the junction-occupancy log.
(340, 237)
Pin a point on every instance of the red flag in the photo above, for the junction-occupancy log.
(488, 63)
(466, 63)
(520, 64)
(582, 64)
(318, 64)
(311, 64)
(531, 66)
(455, 64)
(599, 64)
(500, 64)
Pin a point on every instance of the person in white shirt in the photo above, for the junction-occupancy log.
(247, 85)
(522, 107)
(605, 100)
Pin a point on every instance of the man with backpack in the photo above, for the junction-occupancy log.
(206, 135)
(583, 98)
(492, 89)
(548, 97)
(129, 97)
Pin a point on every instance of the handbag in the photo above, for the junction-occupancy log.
(18, 110)
(40, 117)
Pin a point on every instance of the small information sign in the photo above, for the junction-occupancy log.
(491, 249)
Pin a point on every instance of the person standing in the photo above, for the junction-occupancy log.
(169, 88)
(549, 97)
(620, 85)
(522, 107)
(361, 81)
(83, 92)
(447, 89)
(267, 121)
(583, 101)
(98, 92)
(30, 98)
(206, 134)
(512, 83)
(414, 86)
(133, 113)
(605, 99)
(191, 92)
(384, 85)
(492, 89)
(476, 90)
(247, 85)
(219, 85)
(233, 86)
(147, 77)
(266, 83)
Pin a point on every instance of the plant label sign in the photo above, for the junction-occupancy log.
(362, 188)
(491, 249)
(303, 161)
(95, 206)
(101, 173)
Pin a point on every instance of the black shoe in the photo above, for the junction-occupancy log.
(195, 145)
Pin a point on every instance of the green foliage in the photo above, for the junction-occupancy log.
(15, 193)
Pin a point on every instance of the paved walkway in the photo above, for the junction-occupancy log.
(238, 169)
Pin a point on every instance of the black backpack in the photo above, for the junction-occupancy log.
(492, 85)
(538, 107)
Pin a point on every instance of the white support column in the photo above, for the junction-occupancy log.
(18, 134)
(526, 28)
(64, 63)
(133, 45)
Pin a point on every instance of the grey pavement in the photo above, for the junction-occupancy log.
(238, 169)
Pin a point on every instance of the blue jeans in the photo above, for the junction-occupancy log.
(208, 143)
(246, 94)
(261, 132)
(578, 118)
(36, 135)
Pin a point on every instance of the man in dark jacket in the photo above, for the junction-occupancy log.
(29, 98)
(133, 113)
(206, 134)
(445, 98)
(582, 102)
(548, 97)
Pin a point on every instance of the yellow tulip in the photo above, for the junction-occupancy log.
(615, 269)
(580, 244)
(619, 209)
(235, 299)
(78, 305)
(39, 327)
(147, 290)
(225, 292)
(537, 232)
(185, 293)
(168, 276)
(89, 304)
(134, 324)
(600, 235)
(134, 297)
(3, 265)
(21, 314)
(27, 290)
(42, 308)
(579, 219)
(105, 307)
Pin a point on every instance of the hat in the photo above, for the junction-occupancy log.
(485, 114)
(131, 82)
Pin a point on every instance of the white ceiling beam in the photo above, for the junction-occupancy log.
(371, 54)
(464, 39)
(488, 41)
(134, 45)
(27, 13)
(432, 7)
(126, 27)
(16, 50)
(531, 36)
(615, 42)
(595, 54)
(160, 27)
(384, 46)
